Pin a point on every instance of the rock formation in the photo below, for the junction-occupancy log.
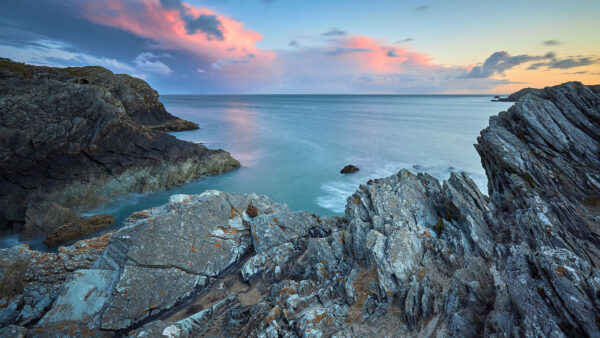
(349, 169)
(80, 136)
(411, 257)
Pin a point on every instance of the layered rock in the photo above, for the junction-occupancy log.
(411, 257)
(31, 280)
(80, 136)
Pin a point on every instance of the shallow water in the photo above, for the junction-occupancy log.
(292, 147)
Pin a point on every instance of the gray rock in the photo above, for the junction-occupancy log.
(9, 314)
(80, 143)
(81, 303)
(13, 331)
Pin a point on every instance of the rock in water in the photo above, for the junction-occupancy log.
(77, 229)
(411, 257)
(349, 169)
(80, 136)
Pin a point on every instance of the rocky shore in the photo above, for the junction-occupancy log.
(411, 257)
(77, 137)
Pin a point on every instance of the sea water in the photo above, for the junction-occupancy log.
(292, 147)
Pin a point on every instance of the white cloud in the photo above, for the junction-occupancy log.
(56, 54)
(143, 62)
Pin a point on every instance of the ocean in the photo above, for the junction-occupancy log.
(292, 147)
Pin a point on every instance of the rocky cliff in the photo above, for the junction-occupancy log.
(78, 136)
(411, 257)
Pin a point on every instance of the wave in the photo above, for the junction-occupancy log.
(336, 191)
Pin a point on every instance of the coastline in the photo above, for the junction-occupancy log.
(80, 136)
(411, 254)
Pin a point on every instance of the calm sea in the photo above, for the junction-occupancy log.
(292, 147)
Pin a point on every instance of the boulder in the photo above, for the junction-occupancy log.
(349, 169)
(77, 229)
(43, 218)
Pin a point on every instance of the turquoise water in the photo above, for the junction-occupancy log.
(292, 147)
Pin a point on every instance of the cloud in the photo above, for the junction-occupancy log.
(551, 43)
(566, 63)
(576, 73)
(499, 62)
(345, 50)
(60, 54)
(422, 8)
(392, 53)
(144, 63)
(404, 41)
(209, 24)
(174, 25)
(334, 32)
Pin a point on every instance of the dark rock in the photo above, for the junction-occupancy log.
(514, 97)
(77, 229)
(41, 218)
(349, 169)
(78, 144)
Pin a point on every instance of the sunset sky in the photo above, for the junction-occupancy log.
(285, 46)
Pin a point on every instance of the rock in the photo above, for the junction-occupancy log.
(349, 169)
(81, 302)
(31, 279)
(514, 97)
(9, 314)
(175, 124)
(78, 137)
(77, 229)
(13, 331)
(44, 217)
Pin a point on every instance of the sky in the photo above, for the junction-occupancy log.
(313, 47)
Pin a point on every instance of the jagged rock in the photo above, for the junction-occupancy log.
(77, 137)
(77, 229)
(31, 280)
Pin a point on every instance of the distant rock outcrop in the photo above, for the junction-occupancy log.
(514, 97)
(80, 136)
(411, 257)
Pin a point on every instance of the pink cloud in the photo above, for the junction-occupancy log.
(234, 48)
(375, 56)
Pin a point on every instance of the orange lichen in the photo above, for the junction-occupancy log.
(421, 274)
(319, 318)
(561, 271)
(217, 245)
(193, 250)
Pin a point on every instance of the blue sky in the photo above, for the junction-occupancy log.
(283, 46)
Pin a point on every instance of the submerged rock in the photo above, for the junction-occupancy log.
(349, 169)
(79, 136)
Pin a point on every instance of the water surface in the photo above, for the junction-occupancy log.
(292, 147)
